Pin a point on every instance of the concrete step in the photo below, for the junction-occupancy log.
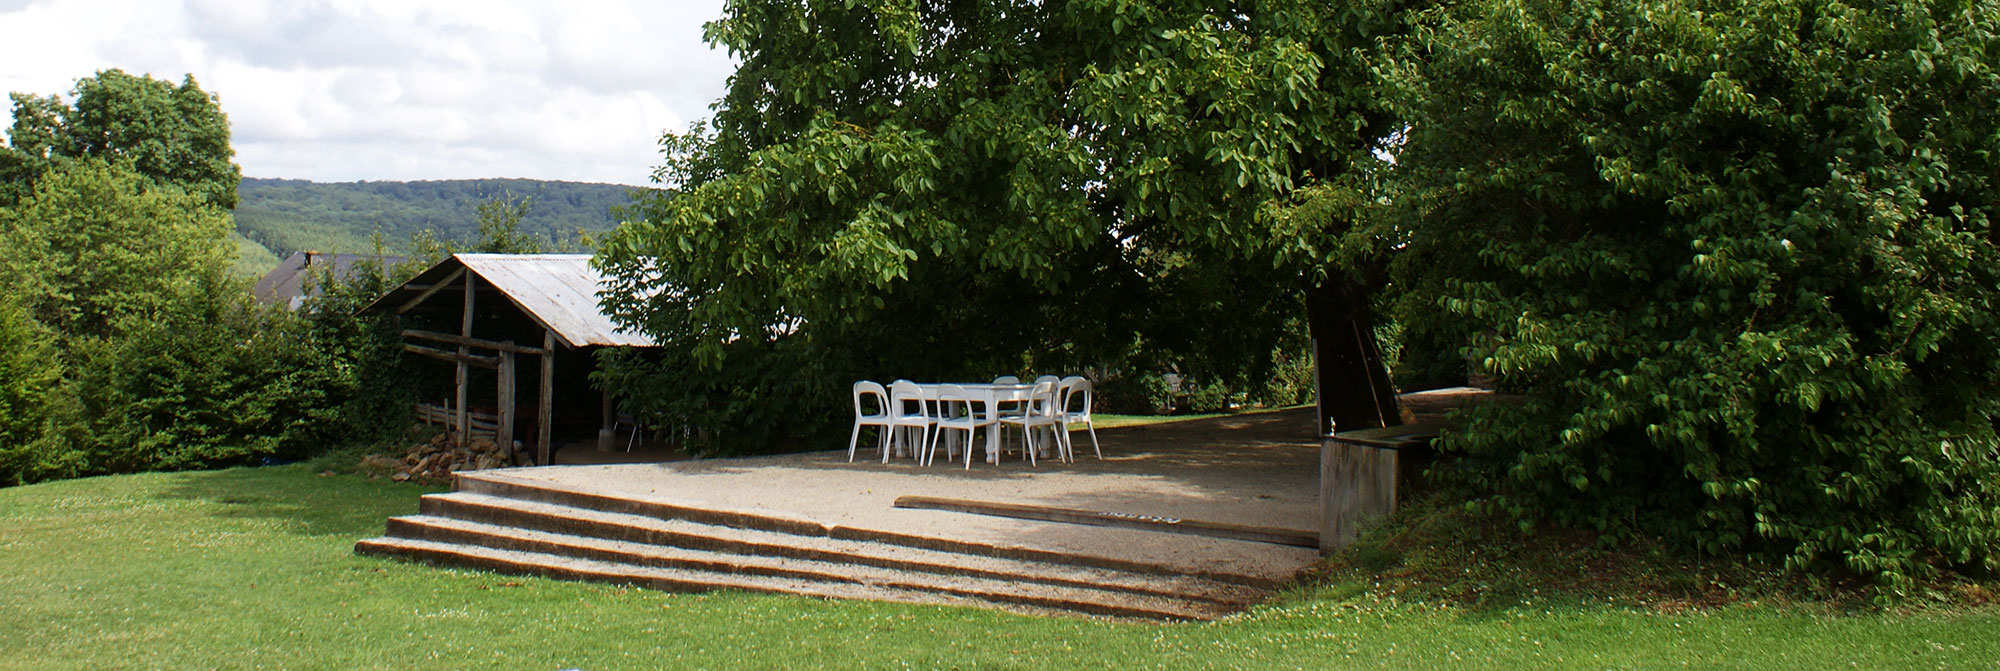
(665, 579)
(498, 484)
(690, 535)
(988, 588)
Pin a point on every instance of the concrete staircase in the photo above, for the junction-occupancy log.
(514, 526)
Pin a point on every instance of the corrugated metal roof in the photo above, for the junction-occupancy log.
(559, 291)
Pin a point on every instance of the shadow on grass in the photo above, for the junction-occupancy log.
(304, 502)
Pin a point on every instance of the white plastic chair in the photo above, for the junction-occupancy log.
(908, 410)
(1075, 391)
(1007, 406)
(881, 417)
(1039, 412)
(956, 412)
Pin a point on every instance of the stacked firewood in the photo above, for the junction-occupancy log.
(436, 459)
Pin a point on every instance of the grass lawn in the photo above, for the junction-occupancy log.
(254, 568)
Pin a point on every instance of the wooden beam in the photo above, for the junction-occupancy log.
(464, 373)
(469, 342)
(547, 414)
(604, 427)
(1241, 532)
(453, 357)
(432, 290)
(506, 394)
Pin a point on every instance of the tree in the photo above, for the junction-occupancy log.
(95, 241)
(948, 189)
(1739, 256)
(172, 135)
(500, 226)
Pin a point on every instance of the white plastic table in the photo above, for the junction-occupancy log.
(992, 395)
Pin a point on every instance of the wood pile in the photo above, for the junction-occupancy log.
(436, 459)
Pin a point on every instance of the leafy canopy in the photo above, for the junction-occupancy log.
(951, 190)
(97, 242)
(174, 136)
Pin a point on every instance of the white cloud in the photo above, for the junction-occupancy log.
(366, 89)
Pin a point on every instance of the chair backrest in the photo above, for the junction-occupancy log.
(904, 392)
(1042, 398)
(865, 388)
(1006, 379)
(1051, 379)
(1073, 387)
(952, 401)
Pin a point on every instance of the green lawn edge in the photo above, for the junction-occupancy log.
(254, 568)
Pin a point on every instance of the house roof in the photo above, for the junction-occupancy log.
(558, 291)
(286, 284)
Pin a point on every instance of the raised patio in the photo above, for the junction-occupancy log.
(1186, 520)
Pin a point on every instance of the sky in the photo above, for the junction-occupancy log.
(349, 90)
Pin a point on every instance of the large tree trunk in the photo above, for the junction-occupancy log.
(1354, 388)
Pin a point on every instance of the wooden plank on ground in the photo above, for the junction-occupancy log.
(1241, 532)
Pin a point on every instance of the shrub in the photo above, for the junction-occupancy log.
(1739, 255)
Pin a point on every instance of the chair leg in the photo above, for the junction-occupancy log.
(1028, 444)
(852, 440)
(1093, 440)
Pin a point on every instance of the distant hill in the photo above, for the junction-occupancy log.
(287, 215)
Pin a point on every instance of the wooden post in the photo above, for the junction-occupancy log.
(604, 427)
(542, 447)
(1357, 479)
(464, 370)
(506, 394)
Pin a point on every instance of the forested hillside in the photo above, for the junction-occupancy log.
(287, 215)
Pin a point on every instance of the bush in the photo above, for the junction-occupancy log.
(1740, 256)
(211, 381)
(30, 375)
(1142, 394)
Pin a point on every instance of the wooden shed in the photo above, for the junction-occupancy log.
(523, 317)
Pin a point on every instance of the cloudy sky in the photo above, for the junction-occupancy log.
(345, 90)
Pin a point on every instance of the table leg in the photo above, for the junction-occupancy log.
(992, 430)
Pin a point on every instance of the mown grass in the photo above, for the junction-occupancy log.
(254, 568)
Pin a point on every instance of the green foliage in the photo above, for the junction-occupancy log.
(96, 242)
(952, 190)
(1142, 394)
(29, 376)
(500, 226)
(173, 136)
(209, 380)
(1741, 257)
(375, 382)
(252, 260)
(291, 215)
(126, 344)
